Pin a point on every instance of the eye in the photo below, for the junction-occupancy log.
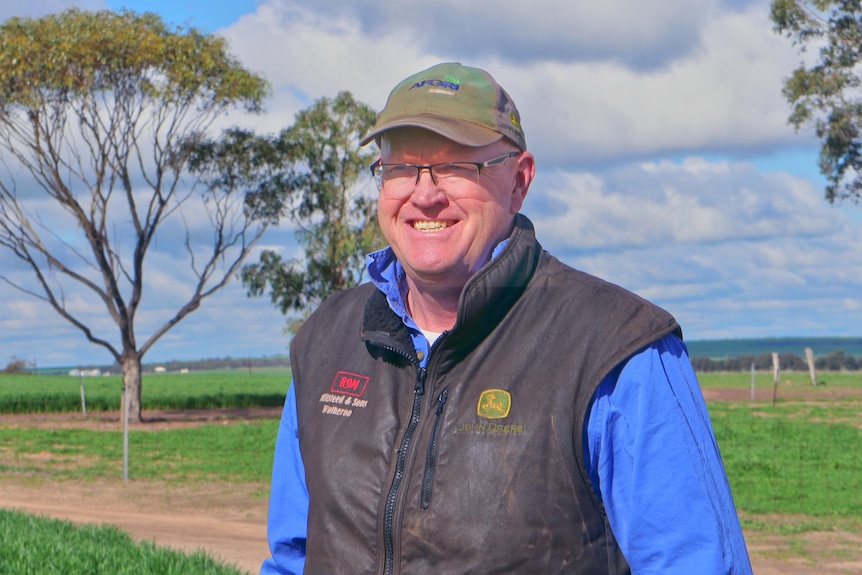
(456, 170)
(397, 171)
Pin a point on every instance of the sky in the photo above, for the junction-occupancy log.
(665, 163)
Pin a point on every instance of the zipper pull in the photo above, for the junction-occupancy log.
(419, 388)
(441, 401)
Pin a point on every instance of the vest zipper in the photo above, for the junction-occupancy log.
(431, 458)
(392, 497)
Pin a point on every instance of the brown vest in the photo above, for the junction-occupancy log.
(475, 463)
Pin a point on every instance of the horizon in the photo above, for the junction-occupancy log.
(822, 346)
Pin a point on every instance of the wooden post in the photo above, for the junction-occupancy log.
(776, 376)
(752, 381)
(83, 397)
(809, 355)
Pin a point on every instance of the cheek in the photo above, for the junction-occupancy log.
(386, 209)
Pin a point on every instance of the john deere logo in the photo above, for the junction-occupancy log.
(494, 404)
(515, 120)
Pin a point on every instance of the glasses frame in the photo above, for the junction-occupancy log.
(378, 166)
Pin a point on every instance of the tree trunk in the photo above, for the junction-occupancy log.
(132, 387)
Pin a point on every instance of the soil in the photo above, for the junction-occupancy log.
(228, 521)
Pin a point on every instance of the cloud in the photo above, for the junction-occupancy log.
(717, 243)
(714, 85)
(637, 33)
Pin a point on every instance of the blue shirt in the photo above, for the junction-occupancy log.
(649, 450)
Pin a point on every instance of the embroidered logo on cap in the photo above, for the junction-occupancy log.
(494, 404)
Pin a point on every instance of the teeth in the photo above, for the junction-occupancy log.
(426, 226)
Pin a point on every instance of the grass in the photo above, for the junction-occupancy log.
(32, 545)
(764, 380)
(194, 390)
(239, 452)
(798, 458)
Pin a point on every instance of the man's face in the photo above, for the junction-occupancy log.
(442, 234)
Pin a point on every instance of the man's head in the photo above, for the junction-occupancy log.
(463, 104)
(453, 171)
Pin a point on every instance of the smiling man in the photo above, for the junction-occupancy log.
(480, 407)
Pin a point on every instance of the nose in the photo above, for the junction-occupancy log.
(426, 192)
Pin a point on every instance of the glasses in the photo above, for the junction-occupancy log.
(402, 176)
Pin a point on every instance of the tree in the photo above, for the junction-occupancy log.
(16, 365)
(323, 192)
(826, 93)
(102, 112)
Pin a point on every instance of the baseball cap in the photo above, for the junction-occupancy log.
(463, 104)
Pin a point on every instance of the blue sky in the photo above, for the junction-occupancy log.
(665, 163)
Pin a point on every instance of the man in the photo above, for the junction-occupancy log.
(480, 407)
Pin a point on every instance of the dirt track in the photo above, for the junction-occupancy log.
(229, 520)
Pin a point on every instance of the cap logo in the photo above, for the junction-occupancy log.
(513, 117)
(494, 404)
(449, 83)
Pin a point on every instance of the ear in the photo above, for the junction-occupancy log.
(525, 171)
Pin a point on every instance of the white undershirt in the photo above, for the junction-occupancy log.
(431, 336)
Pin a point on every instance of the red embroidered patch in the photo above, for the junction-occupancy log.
(349, 383)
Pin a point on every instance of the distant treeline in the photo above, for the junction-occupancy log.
(218, 363)
(208, 364)
(834, 361)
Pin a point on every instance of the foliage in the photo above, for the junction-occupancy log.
(32, 545)
(15, 365)
(834, 361)
(826, 93)
(321, 191)
(100, 112)
(733, 347)
(761, 362)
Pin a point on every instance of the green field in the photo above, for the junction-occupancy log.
(37, 546)
(794, 458)
(193, 390)
(794, 467)
(241, 452)
(764, 380)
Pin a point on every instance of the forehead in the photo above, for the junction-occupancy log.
(416, 143)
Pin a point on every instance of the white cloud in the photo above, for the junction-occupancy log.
(717, 242)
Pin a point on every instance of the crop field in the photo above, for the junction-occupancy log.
(36, 546)
(792, 455)
(193, 390)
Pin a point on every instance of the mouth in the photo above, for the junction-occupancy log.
(431, 225)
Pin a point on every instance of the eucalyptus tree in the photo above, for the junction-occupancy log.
(321, 185)
(101, 114)
(825, 91)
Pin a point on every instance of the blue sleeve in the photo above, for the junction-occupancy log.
(288, 499)
(654, 461)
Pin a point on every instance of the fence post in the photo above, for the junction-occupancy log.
(809, 355)
(83, 397)
(752, 381)
(776, 375)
